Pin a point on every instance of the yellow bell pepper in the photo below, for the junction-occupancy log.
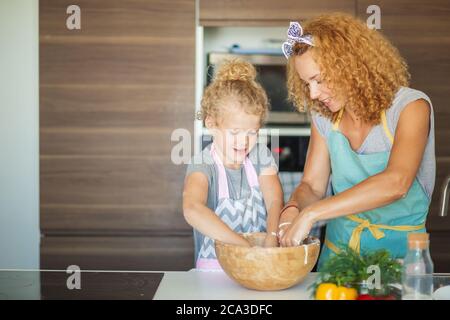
(345, 293)
(330, 291)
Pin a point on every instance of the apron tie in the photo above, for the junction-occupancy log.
(355, 239)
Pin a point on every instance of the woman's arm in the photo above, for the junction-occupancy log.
(381, 189)
(273, 198)
(314, 183)
(199, 216)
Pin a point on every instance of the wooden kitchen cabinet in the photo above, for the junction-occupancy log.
(111, 94)
(116, 252)
(267, 12)
(420, 30)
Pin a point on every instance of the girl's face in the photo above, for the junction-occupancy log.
(309, 72)
(235, 134)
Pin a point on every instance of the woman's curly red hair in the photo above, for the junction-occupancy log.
(358, 64)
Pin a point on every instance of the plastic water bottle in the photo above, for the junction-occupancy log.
(417, 276)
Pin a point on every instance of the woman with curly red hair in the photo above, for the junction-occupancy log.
(370, 132)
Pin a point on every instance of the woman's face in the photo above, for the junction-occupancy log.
(309, 72)
(235, 134)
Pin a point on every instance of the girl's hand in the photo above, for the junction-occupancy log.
(297, 231)
(243, 241)
(271, 241)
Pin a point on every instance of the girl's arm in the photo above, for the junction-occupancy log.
(378, 190)
(273, 198)
(200, 217)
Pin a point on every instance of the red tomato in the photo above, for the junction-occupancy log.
(388, 297)
(365, 297)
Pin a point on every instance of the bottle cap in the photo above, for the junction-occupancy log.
(418, 240)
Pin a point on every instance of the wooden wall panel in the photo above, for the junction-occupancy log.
(267, 12)
(118, 253)
(436, 223)
(82, 219)
(124, 64)
(121, 18)
(120, 106)
(111, 95)
(108, 180)
(440, 254)
(125, 142)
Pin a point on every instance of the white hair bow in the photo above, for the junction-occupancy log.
(295, 35)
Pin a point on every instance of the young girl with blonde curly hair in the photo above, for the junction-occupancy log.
(232, 186)
(371, 134)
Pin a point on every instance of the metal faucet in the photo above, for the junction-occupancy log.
(445, 194)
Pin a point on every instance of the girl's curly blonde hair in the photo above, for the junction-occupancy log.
(358, 64)
(234, 81)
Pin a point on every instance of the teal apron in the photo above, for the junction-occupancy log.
(385, 227)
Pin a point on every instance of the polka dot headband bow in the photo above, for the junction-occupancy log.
(295, 35)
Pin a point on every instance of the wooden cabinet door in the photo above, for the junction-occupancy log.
(420, 30)
(267, 12)
(111, 94)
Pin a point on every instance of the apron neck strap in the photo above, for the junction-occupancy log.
(386, 130)
(249, 169)
(338, 119)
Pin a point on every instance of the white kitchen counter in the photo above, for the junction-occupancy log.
(216, 285)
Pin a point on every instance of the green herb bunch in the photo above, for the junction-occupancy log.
(350, 269)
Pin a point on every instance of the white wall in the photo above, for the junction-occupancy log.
(19, 134)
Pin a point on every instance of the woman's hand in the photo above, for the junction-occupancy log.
(289, 215)
(286, 220)
(298, 230)
(271, 241)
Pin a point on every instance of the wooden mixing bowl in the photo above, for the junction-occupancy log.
(267, 269)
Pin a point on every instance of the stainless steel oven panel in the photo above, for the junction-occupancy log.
(256, 59)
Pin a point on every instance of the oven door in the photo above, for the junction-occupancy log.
(288, 146)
